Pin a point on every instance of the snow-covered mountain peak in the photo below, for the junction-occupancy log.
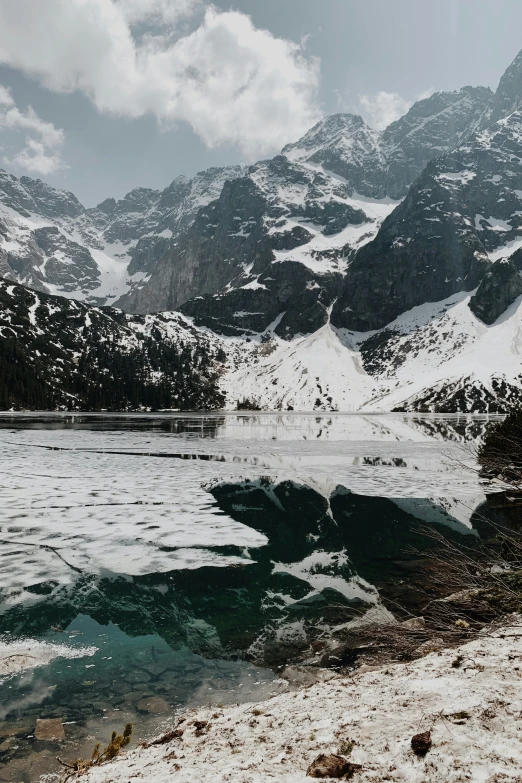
(331, 131)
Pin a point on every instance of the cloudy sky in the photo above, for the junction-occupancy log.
(100, 96)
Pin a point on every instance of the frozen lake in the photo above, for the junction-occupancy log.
(198, 554)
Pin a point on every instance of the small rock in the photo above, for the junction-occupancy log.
(7, 744)
(421, 743)
(331, 766)
(168, 737)
(49, 729)
(153, 704)
(414, 624)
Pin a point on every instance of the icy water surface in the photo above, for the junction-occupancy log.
(199, 554)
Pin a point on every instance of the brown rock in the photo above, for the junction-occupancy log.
(153, 704)
(421, 743)
(12, 729)
(168, 737)
(49, 729)
(331, 766)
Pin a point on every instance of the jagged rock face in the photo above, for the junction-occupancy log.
(277, 208)
(508, 96)
(498, 289)
(344, 144)
(225, 237)
(131, 233)
(287, 296)
(431, 127)
(465, 206)
(69, 264)
(127, 219)
(414, 259)
(379, 164)
(34, 196)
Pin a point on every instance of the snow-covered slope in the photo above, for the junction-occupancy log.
(436, 357)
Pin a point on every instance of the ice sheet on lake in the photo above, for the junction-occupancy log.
(89, 500)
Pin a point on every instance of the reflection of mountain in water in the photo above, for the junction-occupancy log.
(327, 561)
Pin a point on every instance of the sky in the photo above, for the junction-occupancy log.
(101, 96)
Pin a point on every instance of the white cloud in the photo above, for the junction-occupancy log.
(234, 83)
(28, 120)
(38, 155)
(6, 99)
(36, 158)
(383, 108)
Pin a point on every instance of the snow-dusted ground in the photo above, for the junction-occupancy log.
(473, 713)
(17, 655)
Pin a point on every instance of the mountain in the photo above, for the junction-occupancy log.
(59, 353)
(50, 242)
(314, 205)
(379, 164)
(462, 214)
(357, 270)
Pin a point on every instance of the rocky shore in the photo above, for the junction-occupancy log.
(464, 702)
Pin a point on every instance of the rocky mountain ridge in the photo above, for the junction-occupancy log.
(329, 276)
(314, 205)
(439, 357)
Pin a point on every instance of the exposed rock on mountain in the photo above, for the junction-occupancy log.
(508, 96)
(464, 209)
(315, 205)
(105, 251)
(379, 164)
(498, 289)
(431, 127)
(287, 297)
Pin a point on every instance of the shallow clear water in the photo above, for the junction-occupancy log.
(200, 553)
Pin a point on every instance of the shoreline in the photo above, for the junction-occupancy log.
(468, 697)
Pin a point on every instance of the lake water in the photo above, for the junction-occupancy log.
(199, 554)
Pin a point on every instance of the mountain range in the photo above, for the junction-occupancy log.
(357, 269)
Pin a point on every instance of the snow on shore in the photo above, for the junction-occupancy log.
(21, 654)
(473, 711)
